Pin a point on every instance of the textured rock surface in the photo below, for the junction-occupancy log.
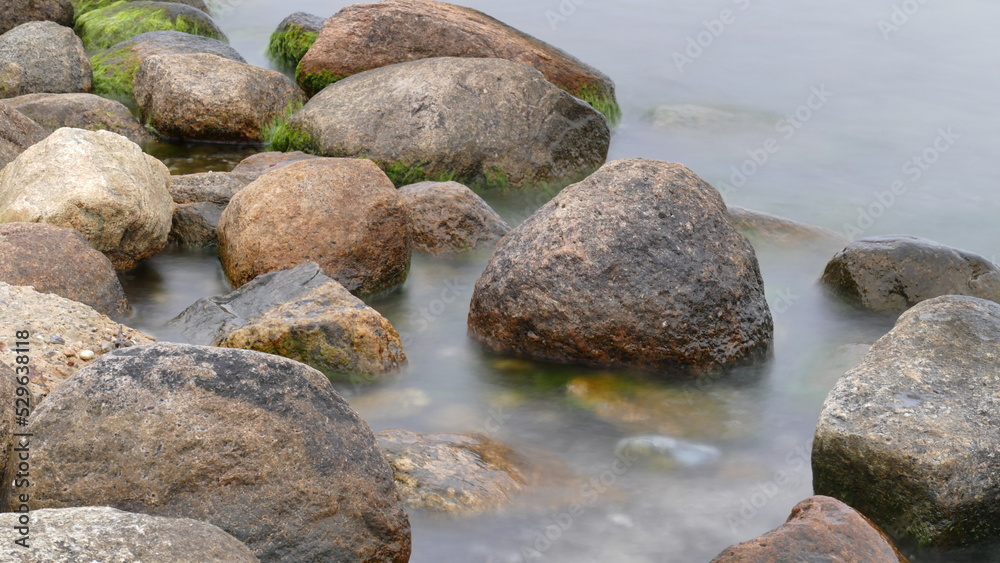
(42, 57)
(59, 260)
(60, 330)
(8, 394)
(117, 196)
(211, 98)
(81, 111)
(890, 274)
(17, 132)
(264, 162)
(16, 12)
(909, 437)
(299, 314)
(343, 214)
(764, 227)
(93, 533)
(260, 446)
(818, 529)
(456, 117)
(200, 199)
(637, 265)
(449, 217)
(104, 27)
(84, 6)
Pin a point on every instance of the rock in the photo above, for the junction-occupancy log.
(453, 119)
(100, 533)
(457, 474)
(200, 199)
(407, 30)
(115, 68)
(17, 12)
(59, 260)
(117, 197)
(104, 27)
(8, 394)
(211, 98)
(299, 314)
(293, 37)
(42, 56)
(84, 6)
(638, 265)
(909, 437)
(81, 111)
(230, 437)
(17, 132)
(341, 213)
(449, 217)
(818, 529)
(677, 453)
(55, 320)
(764, 227)
(263, 162)
(890, 274)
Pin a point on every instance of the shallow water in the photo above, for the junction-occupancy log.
(883, 100)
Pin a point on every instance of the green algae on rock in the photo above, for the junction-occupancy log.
(112, 24)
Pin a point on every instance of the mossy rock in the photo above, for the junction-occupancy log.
(81, 7)
(104, 27)
(293, 37)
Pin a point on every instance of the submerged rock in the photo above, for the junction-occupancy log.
(17, 133)
(42, 57)
(760, 226)
(17, 12)
(293, 38)
(199, 202)
(449, 217)
(677, 452)
(909, 437)
(104, 27)
(81, 111)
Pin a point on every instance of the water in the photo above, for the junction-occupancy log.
(877, 101)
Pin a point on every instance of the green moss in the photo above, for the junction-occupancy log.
(287, 47)
(280, 135)
(313, 83)
(602, 102)
(104, 27)
(113, 72)
(493, 178)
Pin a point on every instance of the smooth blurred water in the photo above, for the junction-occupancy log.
(888, 98)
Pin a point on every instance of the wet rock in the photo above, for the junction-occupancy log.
(17, 132)
(199, 201)
(764, 227)
(81, 111)
(293, 37)
(677, 453)
(263, 162)
(909, 437)
(42, 57)
(299, 314)
(100, 533)
(890, 274)
(638, 265)
(59, 260)
(115, 68)
(104, 27)
(818, 529)
(408, 30)
(56, 321)
(341, 213)
(453, 119)
(84, 6)
(229, 437)
(17, 12)
(449, 217)
(452, 473)
(116, 196)
(211, 98)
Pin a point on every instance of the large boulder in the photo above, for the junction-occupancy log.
(210, 98)
(299, 314)
(199, 202)
(293, 38)
(116, 195)
(260, 446)
(112, 24)
(638, 265)
(407, 30)
(909, 437)
(61, 331)
(59, 260)
(818, 529)
(342, 213)
(81, 111)
(115, 68)
(455, 119)
(42, 56)
(100, 533)
(889, 274)
(84, 6)
(17, 132)
(16, 12)
(449, 217)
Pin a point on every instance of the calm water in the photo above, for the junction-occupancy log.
(878, 98)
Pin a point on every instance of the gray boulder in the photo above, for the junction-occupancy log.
(772, 229)
(81, 111)
(199, 201)
(17, 132)
(42, 56)
(17, 12)
(449, 217)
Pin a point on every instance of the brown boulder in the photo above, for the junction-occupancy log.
(17, 133)
(16, 12)
(261, 163)
(449, 217)
(81, 111)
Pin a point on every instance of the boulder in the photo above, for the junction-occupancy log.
(260, 446)
(818, 529)
(59, 260)
(766, 228)
(17, 132)
(199, 201)
(300, 314)
(84, 6)
(889, 274)
(107, 26)
(8, 394)
(454, 119)
(17, 12)
(263, 162)
(100, 533)
(81, 111)
(42, 56)
(117, 197)
(407, 30)
(909, 437)
(115, 68)
(60, 330)
(638, 265)
(293, 37)
(449, 217)
(342, 213)
(210, 98)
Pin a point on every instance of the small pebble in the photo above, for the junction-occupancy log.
(87, 355)
(69, 352)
